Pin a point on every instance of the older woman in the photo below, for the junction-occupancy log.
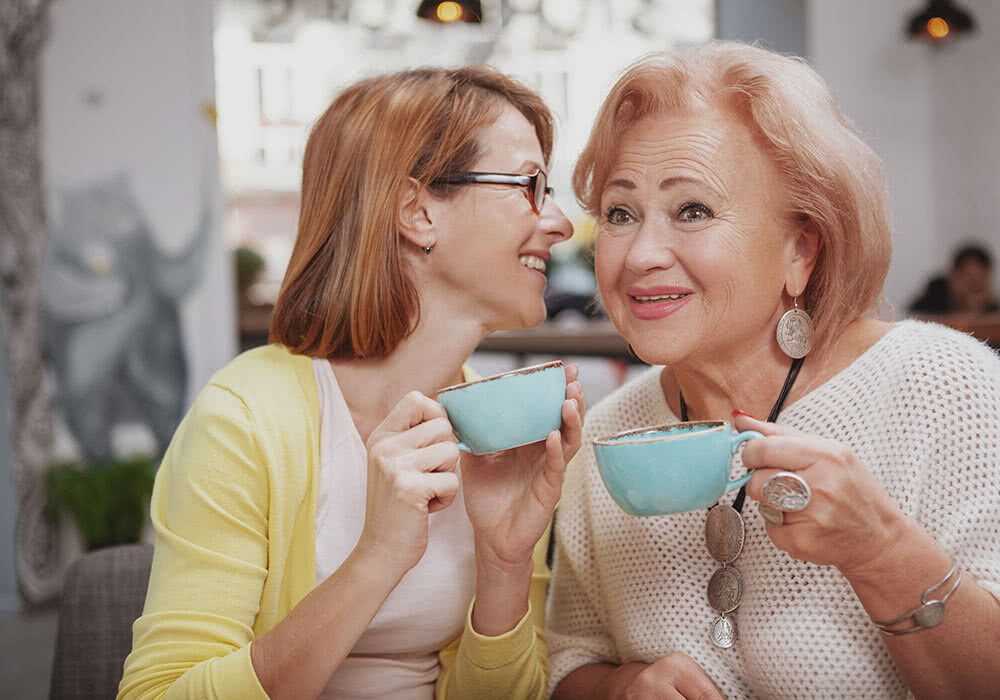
(315, 532)
(734, 200)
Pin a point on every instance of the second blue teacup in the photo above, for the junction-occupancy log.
(670, 468)
(506, 410)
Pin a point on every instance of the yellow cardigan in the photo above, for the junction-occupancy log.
(234, 510)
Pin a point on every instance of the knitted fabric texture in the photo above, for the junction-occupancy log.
(921, 408)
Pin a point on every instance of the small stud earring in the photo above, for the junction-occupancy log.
(427, 249)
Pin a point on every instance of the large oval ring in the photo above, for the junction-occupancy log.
(787, 491)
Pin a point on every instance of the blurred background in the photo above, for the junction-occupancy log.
(150, 158)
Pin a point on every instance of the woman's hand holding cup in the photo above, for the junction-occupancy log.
(849, 519)
(510, 495)
(412, 458)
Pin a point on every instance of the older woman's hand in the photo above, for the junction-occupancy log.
(510, 495)
(850, 519)
(671, 677)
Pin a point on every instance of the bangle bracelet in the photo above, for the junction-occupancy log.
(930, 613)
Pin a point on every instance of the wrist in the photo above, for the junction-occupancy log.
(617, 682)
(502, 591)
(373, 567)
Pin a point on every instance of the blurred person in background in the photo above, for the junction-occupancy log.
(734, 200)
(966, 288)
(317, 534)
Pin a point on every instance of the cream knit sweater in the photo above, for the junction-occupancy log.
(921, 408)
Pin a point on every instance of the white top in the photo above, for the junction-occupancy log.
(921, 408)
(397, 656)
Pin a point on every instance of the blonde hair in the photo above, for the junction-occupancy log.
(833, 178)
(346, 292)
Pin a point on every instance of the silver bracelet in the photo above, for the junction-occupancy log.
(930, 613)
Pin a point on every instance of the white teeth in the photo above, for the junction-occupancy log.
(532, 261)
(661, 297)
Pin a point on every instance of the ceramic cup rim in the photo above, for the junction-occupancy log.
(520, 370)
(615, 439)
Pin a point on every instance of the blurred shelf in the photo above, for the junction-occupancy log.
(595, 339)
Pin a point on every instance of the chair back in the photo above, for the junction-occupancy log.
(103, 594)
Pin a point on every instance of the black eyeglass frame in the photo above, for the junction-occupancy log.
(535, 184)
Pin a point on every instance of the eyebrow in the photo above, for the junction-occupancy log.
(665, 184)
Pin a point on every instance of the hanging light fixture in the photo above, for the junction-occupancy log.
(940, 21)
(449, 11)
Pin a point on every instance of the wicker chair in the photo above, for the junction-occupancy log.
(103, 594)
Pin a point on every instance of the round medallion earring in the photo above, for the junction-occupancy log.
(794, 332)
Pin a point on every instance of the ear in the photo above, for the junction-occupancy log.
(414, 215)
(804, 249)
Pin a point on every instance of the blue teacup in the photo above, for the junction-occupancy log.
(670, 468)
(506, 410)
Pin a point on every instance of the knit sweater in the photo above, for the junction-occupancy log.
(234, 510)
(920, 408)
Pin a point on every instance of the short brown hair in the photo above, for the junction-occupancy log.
(346, 292)
(833, 178)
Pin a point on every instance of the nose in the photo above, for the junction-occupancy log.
(553, 222)
(649, 250)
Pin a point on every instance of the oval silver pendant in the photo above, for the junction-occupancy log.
(725, 533)
(794, 333)
(723, 632)
(725, 589)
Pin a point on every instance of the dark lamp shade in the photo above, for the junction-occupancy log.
(940, 20)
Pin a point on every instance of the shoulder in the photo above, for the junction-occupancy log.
(927, 363)
(267, 375)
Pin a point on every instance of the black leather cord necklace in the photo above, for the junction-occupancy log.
(725, 532)
(793, 373)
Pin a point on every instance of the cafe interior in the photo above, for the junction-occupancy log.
(151, 154)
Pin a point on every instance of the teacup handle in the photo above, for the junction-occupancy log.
(735, 442)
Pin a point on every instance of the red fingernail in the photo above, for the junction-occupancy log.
(738, 412)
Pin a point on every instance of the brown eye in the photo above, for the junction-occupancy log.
(694, 211)
(617, 216)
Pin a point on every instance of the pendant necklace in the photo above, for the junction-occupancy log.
(725, 534)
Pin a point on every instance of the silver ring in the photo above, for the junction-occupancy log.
(788, 492)
(771, 514)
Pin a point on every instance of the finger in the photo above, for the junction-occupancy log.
(572, 372)
(571, 429)
(411, 410)
(438, 457)
(791, 453)
(575, 392)
(437, 489)
(742, 421)
(426, 433)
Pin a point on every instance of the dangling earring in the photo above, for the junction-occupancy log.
(795, 332)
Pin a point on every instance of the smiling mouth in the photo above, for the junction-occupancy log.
(532, 261)
(658, 298)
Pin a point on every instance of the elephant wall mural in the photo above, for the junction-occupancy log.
(111, 315)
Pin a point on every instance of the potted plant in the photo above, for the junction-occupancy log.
(107, 502)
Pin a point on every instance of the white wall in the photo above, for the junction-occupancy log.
(930, 114)
(125, 87)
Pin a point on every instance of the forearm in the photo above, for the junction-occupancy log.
(960, 658)
(297, 658)
(597, 682)
(501, 593)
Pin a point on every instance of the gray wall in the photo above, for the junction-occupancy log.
(778, 24)
(9, 599)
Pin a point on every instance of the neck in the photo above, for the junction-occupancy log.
(429, 359)
(752, 382)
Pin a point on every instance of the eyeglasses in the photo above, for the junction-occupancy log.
(535, 185)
